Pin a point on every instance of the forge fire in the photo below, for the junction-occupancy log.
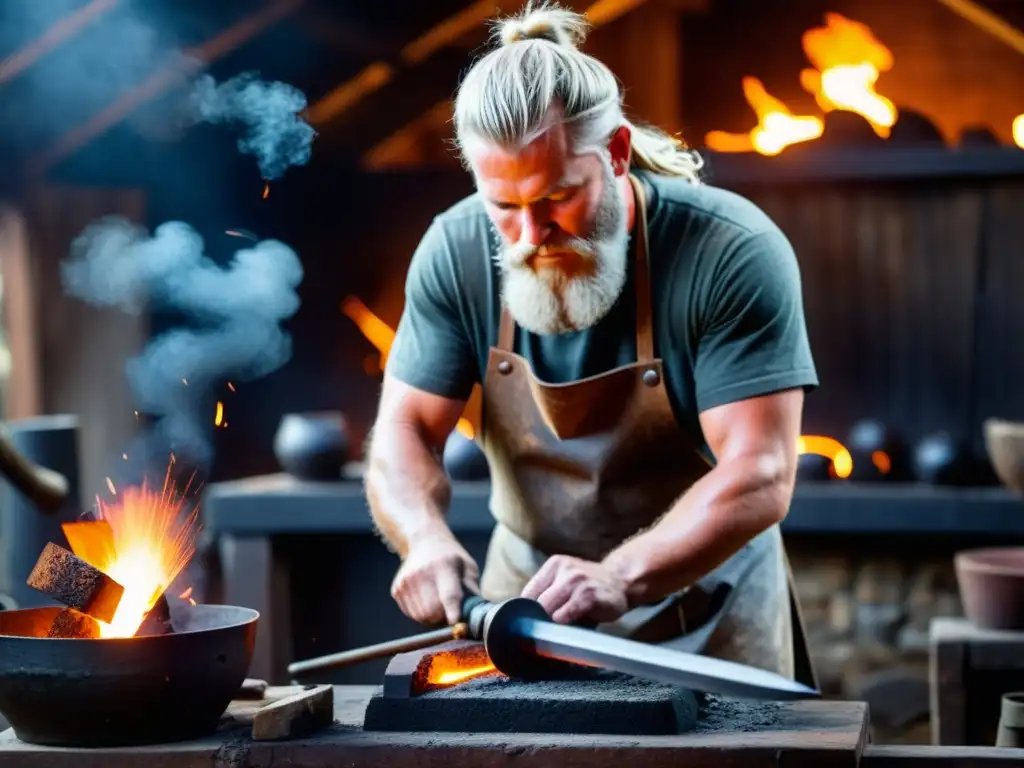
(122, 561)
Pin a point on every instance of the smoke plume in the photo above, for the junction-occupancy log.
(234, 316)
(274, 133)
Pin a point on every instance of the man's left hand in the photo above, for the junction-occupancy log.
(571, 589)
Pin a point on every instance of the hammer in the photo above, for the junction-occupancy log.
(474, 614)
(44, 487)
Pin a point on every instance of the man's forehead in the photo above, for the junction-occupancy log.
(535, 170)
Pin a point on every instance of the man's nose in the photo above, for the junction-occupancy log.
(535, 226)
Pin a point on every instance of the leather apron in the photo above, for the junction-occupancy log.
(578, 468)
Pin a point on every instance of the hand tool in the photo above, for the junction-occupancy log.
(298, 669)
(44, 487)
(523, 642)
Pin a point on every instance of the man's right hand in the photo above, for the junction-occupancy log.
(433, 579)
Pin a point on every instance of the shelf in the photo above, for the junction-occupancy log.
(885, 163)
(279, 504)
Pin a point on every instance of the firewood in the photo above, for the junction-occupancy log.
(305, 712)
(67, 578)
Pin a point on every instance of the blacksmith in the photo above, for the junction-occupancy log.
(640, 341)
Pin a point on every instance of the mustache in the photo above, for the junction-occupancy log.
(517, 255)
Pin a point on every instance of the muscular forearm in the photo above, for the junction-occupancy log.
(711, 522)
(406, 486)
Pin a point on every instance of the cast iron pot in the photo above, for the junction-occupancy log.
(122, 692)
(312, 446)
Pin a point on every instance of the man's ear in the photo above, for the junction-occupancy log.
(620, 149)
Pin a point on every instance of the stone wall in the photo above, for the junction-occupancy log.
(867, 610)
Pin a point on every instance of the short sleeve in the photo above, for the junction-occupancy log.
(431, 350)
(752, 334)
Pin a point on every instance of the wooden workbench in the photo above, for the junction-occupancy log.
(819, 734)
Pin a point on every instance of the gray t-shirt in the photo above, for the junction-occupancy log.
(727, 306)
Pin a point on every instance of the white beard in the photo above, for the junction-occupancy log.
(547, 302)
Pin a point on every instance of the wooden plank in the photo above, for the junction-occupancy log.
(815, 733)
(876, 262)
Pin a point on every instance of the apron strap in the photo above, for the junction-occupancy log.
(644, 324)
(506, 330)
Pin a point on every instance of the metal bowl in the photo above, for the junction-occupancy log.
(122, 692)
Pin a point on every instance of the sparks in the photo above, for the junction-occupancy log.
(220, 414)
(152, 538)
(266, 189)
(185, 382)
(231, 386)
(124, 456)
(110, 485)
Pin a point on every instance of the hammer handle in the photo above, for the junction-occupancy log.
(380, 650)
(45, 488)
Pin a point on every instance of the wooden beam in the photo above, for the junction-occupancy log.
(63, 29)
(385, 152)
(193, 61)
(378, 74)
(987, 22)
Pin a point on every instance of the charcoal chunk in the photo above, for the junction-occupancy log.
(158, 620)
(67, 578)
(73, 624)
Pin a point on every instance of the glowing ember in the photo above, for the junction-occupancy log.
(454, 676)
(231, 386)
(266, 189)
(144, 541)
(219, 417)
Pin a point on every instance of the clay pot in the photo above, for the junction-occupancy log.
(312, 446)
(991, 585)
(1004, 441)
(1011, 721)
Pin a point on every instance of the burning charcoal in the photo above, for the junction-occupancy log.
(71, 624)
(67, 578)
(158, 620)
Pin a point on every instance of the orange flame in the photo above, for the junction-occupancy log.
(847, 61)
(382, 336)
(453, 676)
(1018, 130)
(776, 128)
(830, 448)
(142, 541)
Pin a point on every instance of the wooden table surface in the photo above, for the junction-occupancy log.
(810, 733)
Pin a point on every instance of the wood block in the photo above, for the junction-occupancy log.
(298, 715)
(65, 577)
(252, 689)
(284, 712)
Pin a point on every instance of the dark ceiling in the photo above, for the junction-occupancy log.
(314, 45)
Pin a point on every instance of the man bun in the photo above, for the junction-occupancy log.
(545, 22)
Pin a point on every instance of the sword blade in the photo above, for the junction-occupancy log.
(701, 673)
